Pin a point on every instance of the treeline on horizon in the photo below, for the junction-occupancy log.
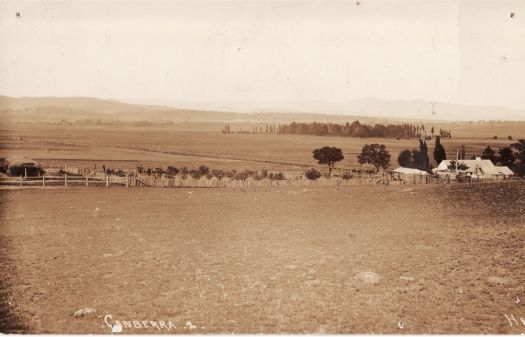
(356, 129)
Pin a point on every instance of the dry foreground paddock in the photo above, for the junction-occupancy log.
(449, 259)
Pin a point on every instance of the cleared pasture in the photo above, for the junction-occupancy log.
(129, 147)
(266, 260)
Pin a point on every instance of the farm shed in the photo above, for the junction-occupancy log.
(477, 168)
(401, 173)
(21, 167)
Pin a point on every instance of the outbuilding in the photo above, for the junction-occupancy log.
(402, 172)
(22, 167)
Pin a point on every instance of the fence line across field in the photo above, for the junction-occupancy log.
(214, 182)
(65, 180)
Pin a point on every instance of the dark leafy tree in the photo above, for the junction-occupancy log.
(490, 154)
(421, 158)
(519, 166)
(376, 155)
(457, 166)
(506, 156)
(439, 151)
(406, 159)
(328, 156)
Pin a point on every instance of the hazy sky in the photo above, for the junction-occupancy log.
(247, 55)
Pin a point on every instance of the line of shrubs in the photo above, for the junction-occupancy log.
(205, 171)
(313, 174)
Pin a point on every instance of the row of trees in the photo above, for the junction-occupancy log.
(373, 154)
(419, 158)
(267, 128)
(356, 129)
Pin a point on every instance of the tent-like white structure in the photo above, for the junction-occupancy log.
(409, 171)
(401, 173)
(477, 168)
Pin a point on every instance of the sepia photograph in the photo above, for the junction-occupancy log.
(262, 167)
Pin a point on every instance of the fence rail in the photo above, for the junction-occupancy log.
(177, 181)
(65, 180)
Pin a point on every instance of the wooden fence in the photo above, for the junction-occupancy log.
(214, 182)
(65, 180)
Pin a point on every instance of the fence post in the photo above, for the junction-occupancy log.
(43, 180)
(20, 180)
(87, 181)
(65, 179)
(127, 180)
(107, 180)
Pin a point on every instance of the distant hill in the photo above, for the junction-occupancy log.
(77, 103)
(79, 108)
(418, 109)
(371, 108)
(365, 110)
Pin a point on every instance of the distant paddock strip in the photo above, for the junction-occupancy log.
(214, 182)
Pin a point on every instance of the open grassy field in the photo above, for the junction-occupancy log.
(130, 146)
(449, 258)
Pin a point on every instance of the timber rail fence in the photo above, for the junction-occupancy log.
(214, 182)
(64, 180)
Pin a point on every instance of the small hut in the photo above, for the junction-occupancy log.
(22, 167)
(402, 173)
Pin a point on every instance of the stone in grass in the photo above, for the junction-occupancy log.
(312, 283)
(407, 278)
(84, 312)
(368, 277)
(497, 280)
(97, 212)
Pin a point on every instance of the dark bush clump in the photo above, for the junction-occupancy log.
(203, 170)
(347, 176)
(276, 176)
(172, 170)
(312, 174)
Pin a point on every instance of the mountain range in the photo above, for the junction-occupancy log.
(367, 110)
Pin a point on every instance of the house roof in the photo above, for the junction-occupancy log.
(477, 166)
(406, 170)
(504, 170)
(19, 161)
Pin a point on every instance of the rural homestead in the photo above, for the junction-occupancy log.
(262, 167)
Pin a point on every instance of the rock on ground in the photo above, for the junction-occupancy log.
(368, 277)
(84, 312)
